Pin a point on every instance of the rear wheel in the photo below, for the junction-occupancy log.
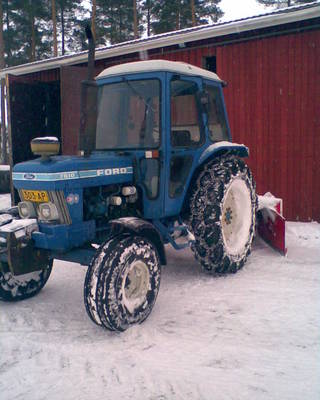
(223, 209)
(20, 287)
(122, 282)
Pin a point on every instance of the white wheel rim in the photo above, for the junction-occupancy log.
(135, 285)
(236, 217)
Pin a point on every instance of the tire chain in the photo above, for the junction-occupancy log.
(205, 214)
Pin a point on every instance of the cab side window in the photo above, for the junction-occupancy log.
(216, 116)
(185, 114)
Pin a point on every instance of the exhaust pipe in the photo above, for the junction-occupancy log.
(91, 54)
(88, 110)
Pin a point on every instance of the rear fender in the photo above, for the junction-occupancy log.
(211, 152)
(141, 228)
(219, 148)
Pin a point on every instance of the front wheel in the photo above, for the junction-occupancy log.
(122, 282)
(223, 210)
(20, 287)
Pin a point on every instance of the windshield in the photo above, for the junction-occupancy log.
(128, 115)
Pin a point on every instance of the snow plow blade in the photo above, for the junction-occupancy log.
(271, 223)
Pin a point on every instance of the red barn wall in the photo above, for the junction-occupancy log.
(273, 100)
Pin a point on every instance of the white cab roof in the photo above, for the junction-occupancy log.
(155, 66)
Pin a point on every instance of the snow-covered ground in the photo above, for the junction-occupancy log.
(253, 335)
(5, 201)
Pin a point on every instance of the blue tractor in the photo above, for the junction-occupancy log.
(156, 166)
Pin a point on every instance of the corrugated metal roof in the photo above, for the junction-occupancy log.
(279, 17)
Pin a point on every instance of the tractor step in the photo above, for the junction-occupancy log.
(178, 234)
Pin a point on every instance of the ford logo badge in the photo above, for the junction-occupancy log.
(29, 176)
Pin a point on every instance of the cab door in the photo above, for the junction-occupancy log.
(185, 137)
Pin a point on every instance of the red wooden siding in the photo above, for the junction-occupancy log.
(273, 99)
(70, 92)
(51, 75)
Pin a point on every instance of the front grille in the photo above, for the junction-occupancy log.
(58, 199)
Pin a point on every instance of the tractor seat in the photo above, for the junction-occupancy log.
(180, 138)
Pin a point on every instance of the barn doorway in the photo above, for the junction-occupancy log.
(35, 111)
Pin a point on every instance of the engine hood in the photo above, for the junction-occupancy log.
(62, 172)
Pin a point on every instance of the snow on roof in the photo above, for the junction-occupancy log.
(157, 65)
(274, 18)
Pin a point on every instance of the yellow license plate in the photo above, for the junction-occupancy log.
(39, 196)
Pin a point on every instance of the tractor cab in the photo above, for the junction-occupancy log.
(165, 115)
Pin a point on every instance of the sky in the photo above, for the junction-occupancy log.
(235, 9)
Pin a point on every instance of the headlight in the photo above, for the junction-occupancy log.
(48, 212)
(26, 209)
(115, 200)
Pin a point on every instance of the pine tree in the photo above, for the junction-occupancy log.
(165, 16)
(93, 18)
(135, 19)
(69, 15)
(2, 62)
(169, 15)
(115, 21)
(204, 11)
(27, 36)
(193, 12)
(29, 32)
(11, 36)
(147, 10)
(54, 27)
(34, 23)
(283, 3)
